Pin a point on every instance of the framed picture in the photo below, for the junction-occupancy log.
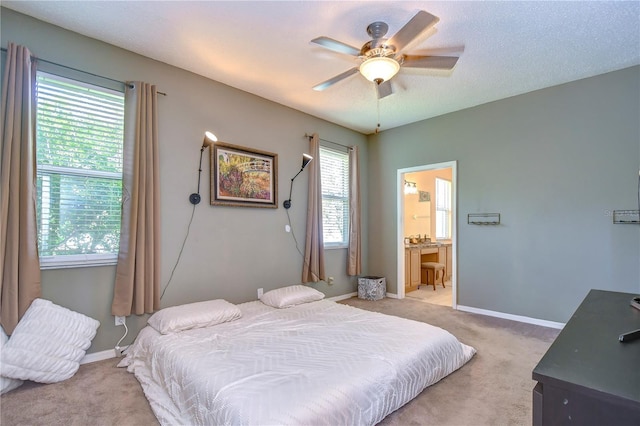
(424, 196)
(243, 177)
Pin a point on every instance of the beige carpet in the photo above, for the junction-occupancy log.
(494, 388)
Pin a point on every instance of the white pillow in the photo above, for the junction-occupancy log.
(48, 343)
(7, 384)
(287, 297)
(194, 315)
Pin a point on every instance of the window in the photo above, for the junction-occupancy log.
(79, 142)
(334, 172)
(443, 209)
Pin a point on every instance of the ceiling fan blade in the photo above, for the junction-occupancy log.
(384, 89)
(457, 50)
(412, 29)
(431, 62)
(336, 46)
(320, 87)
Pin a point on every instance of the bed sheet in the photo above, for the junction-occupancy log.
(316, 363)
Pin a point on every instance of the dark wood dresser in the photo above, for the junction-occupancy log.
(588, 377)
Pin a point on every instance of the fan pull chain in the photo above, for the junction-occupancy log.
(378, 108)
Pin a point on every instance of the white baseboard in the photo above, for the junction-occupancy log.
(342, 297)
(355, 293)
(98, 356)
(519, 318)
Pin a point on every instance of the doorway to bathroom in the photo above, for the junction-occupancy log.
(427, 233)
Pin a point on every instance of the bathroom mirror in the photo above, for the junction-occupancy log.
(417, 216)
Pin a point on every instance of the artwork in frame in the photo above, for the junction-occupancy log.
(243, 177)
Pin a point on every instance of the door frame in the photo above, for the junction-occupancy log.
(454, 224)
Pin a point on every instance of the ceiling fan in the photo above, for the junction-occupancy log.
(382, 58)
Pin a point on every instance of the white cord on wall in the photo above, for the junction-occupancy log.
(120, 351)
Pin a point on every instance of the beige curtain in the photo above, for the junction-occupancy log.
(19, 262)
(354, 259)
(313, 267)
(137, 274)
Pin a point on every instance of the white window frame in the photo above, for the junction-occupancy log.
(89, 80)
(345, 234)
(443, 207)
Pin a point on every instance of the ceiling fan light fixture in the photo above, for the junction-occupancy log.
(379, 68)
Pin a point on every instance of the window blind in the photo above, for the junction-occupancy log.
(334, 171)
(79, 141)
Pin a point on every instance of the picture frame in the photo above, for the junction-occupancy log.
(424, 196)
(243, 177)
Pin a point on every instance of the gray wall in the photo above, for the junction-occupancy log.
(231, 251)
(554, 163)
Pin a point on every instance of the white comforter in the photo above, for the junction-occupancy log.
(316, 363)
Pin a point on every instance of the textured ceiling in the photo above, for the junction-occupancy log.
(263, 48)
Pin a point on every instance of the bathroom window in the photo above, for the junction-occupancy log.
(443, 209)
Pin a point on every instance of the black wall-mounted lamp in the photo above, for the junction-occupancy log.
(306, 159)
(209, 140)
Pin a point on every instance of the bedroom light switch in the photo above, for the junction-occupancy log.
(259, 293)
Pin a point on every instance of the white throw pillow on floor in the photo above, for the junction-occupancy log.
(47, 344)
(6, 384)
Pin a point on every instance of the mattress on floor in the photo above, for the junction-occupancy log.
(320, 363)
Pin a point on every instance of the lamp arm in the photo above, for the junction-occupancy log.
(195, 197)
(200, 168)
(287, 203)
(292, 179)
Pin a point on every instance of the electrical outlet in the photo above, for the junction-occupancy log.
(259, 293)
(120, 320)
(330, 280)
(120, 351)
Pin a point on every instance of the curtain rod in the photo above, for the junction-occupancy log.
(308, 136)
(82, 71)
